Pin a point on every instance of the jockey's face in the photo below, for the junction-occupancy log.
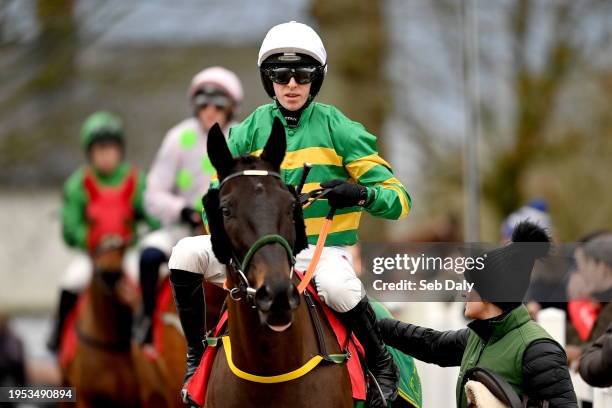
(292, 96)
(211, 114)
(105, 156)
(478, 309)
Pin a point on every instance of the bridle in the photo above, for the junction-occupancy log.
(244, 290)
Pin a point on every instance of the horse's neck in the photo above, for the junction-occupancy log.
(258, 350)
(106, 317)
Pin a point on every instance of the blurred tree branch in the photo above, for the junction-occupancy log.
(537, 60)
(536, 93)
(356, 40)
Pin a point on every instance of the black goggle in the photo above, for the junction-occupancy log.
(221, 102)
(302, 75)
(101, 136)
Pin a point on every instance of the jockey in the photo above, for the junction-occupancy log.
(105, 195)
(179, 176)
(293, 63)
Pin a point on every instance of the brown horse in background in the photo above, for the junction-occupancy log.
(108, 369)
(173, 345)
(269, 324)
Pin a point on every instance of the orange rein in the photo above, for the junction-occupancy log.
(312, 266)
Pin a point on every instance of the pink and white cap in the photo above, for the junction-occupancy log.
(218, 77)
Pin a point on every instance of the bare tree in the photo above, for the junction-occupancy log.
(534, 57)
(356, 40)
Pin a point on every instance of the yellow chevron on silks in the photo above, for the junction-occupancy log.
(342, 222)
(308, 187)
(361, 166)
(394, 184)
(312, 155)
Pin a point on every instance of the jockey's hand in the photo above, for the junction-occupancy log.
(191, 217)
(345, 194)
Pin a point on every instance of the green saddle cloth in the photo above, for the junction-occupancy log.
(410, 395)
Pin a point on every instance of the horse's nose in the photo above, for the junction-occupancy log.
(263, 298)
(277, 297)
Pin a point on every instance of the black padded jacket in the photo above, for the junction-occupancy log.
(596, 362)
(545, 373)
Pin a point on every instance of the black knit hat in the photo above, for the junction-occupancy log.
(506, 274)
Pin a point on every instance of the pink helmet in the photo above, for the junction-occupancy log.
(218, 77)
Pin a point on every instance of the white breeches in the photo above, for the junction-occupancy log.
(79, 271)
(165, 238)
(334, 278)
(77, 276)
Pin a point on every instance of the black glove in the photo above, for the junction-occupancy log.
(191, 217)
(345, 194)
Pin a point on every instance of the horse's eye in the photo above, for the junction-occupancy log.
(225, 211)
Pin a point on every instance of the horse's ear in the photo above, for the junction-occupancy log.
(218, 152)
(274, 152)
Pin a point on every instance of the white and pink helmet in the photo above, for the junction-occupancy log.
(218, 77)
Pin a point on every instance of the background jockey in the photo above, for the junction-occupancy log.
(181, 174)
(292, 62)
(105, 195)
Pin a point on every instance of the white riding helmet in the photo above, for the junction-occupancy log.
(289, 40)
(218, 77)
(292, 37)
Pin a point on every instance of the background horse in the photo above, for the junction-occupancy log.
(270, 328)
(108, 369)
(170, 340)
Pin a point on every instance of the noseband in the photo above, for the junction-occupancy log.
(244, 290)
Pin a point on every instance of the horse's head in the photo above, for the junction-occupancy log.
(107, 260)
(252, 203)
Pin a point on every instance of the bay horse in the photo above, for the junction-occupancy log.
(108, 368)
(269, 324)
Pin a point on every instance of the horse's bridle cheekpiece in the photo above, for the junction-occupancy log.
(244, 290)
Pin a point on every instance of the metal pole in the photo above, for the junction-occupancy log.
(472, 121)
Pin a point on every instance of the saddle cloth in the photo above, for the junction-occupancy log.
(69, 339)
(164, 298)
(197, 385)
